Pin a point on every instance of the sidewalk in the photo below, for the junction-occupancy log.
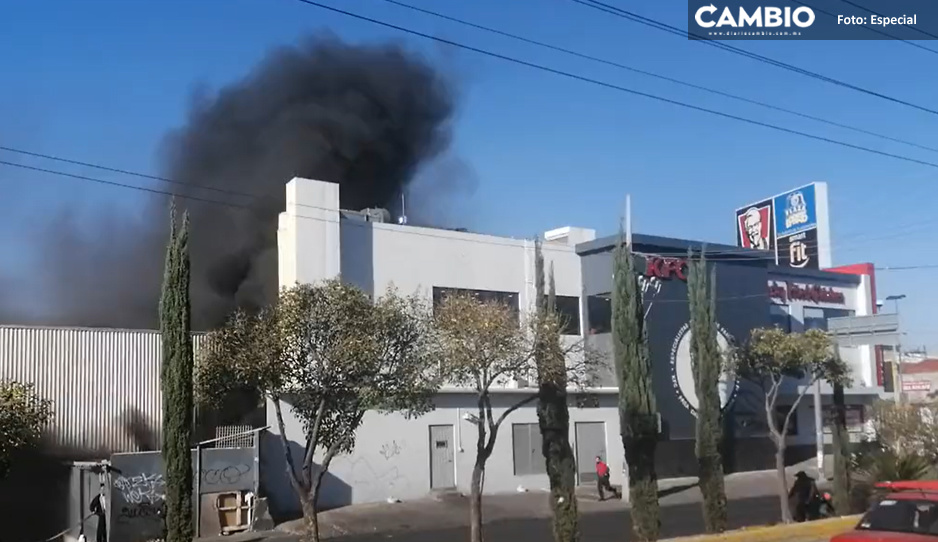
(451, 510)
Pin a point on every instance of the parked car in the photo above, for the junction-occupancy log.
(908, 512)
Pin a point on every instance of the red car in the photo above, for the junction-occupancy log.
(908, 513)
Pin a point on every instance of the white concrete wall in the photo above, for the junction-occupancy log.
(392, 454)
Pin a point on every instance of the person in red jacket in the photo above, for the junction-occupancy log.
(602, 480)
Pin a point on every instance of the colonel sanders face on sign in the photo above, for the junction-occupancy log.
(756, 230)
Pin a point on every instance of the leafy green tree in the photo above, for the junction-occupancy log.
(770, 358)
(177, 369)
(638, 412)
(334, 355)
(708, 365)
(553, 414)
(23, 416)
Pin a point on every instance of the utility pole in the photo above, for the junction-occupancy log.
(819, 430)
(628, 220)
(899, 385)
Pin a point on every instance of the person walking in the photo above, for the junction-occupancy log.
(602, 480)
(97, 508)
(803, 497)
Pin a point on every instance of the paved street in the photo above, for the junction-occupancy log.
(596, 526)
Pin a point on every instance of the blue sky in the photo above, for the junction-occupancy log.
(103, 80)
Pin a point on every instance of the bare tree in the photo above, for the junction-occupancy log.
(483, 345)
(333, 354)
(772, 358)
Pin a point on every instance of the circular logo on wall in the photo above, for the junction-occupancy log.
(682, 374)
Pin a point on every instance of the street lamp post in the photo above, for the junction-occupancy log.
(899, 388)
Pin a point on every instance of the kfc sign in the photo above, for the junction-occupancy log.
(807, 293)
(665, 268)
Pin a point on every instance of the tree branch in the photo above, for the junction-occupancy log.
(515, 407)
(288, 454)
(312, 441)
(794, 406)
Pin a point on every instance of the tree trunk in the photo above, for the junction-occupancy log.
(310, 519)
(782, 481)
(554, 421)
(841, 445)
(475, 502)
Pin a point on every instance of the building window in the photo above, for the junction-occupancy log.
(510, 299)
(599, 311)
(568, 308)
(816, 318)
(780, 317)
(856, 418)
(526, 441)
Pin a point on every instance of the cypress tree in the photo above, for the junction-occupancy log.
(843, 503)
(553, 415)
(177, 383)
(638, 413)
(707, 367)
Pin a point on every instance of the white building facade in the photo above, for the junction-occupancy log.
(395, 458)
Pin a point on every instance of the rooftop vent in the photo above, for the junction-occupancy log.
(375, 214)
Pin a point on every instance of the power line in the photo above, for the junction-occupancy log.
(122, 185)
(625, 14)
(741, 254)
(870, 28)
(612, 86)
(734, 252)
(655, 75)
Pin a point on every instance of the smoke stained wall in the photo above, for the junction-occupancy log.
(366, 117)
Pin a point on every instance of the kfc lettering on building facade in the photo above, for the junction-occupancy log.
(809, 293)
(666, 268)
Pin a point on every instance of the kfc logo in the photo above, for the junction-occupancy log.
(755, 227)
(665, 268)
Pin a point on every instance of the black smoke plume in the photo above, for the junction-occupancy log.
(366, 117)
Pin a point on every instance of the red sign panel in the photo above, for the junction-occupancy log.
(666, 268)
(916, 385)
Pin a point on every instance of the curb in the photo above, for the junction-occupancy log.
(795, 532)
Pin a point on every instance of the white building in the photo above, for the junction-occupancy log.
(404, 459)
(397, 458)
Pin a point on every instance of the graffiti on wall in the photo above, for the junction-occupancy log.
(226, 475)
(138, 493)
(390, 449)
(143, 488)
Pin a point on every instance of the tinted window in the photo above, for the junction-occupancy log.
(599, 313)
(507, 298)
(814, 319)
(902, 516)
(568, 307)
(780, 317)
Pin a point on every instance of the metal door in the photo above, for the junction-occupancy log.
(442, 470)
(590, 442)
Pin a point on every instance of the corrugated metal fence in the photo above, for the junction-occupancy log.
(104, 384)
